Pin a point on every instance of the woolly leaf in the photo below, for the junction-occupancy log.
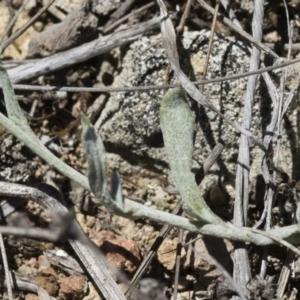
(177, 126)
(116, 189)
(96, 156)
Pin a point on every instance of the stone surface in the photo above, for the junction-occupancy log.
(78, 27)
(32, 297)
(124, 254)
(166, 253)
(68, 5)
(13, 151)
(104, 7)
(43, 263)
(93, 294)
(27, 270)
(73, 287)
(219, 249)
(47, 279)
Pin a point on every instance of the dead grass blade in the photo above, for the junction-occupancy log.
(242, 272)
(284, 274)
(116, 89)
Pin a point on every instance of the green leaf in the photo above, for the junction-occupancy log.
(12, 105)
(96, 156)
(116, 189)
(177, 125)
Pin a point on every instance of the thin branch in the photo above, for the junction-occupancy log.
(81, 53)
(151, 254)
(52, 235)
(286, 47)
(184, 17)
(151, 87)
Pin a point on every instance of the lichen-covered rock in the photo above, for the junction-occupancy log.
(68, 5)
(129, 124)
(104, 7)
(17, 162)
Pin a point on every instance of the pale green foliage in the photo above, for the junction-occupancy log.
(96, 156)
(116, 188)
(177, 125)
(17, 124)
(128, 208)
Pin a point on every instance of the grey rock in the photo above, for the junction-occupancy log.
(104, 7)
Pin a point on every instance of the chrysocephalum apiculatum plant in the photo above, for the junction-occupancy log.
(175, 110)
(177, 125)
